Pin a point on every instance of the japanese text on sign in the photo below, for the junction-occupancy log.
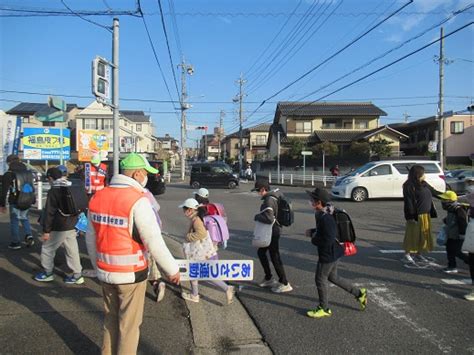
(238, 270)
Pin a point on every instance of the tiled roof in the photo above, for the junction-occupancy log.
(262, 127)
(336, 135)
(329, 109)
(372, 132)
(306, 140)
(30, 108)
(135, 116)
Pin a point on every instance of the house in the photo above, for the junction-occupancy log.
(458, 136)
(135, 128)
(166, 143)
(254, 143)
(209, 146)
(341, 123)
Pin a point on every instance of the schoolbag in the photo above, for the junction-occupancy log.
(216, 209)
(217, 228)
(24, 189)
(285, 215)
(73, 201)
(345, 228)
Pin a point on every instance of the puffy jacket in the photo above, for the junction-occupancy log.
(52, 219)
(7, 182)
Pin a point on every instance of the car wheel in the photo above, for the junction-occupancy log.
(231, 185)
(359, 194)
(195, 185)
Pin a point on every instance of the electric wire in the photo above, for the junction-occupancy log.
(85, 19)
(175, 28)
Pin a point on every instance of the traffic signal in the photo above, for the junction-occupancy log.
(202, 127)
(101, 78)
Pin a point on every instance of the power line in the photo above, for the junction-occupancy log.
(175, 27)
(85, 19)
(169, 50)
(335, 54)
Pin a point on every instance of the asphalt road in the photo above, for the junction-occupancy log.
(409, 310)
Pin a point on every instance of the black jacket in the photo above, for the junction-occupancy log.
(52, 219)
(417, 199)
(7, 182)
(324, 237)
(270, 200)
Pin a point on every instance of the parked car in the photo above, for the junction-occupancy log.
(213, 174)
(456, 181)
(156, 182)
(384, 179)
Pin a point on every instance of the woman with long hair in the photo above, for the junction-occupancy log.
(419, 209)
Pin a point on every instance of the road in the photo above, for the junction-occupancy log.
(409, 310)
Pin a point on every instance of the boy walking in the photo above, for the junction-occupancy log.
(58, 229)
(329, 251)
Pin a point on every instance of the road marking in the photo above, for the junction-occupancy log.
(389, 301)
(457, 281)
(399, 251)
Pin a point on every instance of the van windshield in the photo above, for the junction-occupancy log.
(361, 169)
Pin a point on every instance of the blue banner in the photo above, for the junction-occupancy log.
(45, 144)
(16, 138)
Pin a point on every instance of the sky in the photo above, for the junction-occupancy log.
(271, 43)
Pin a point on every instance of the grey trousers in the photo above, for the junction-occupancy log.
(328, 272)
(56, 239)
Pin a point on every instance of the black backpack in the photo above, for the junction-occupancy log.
(285, 216)
(345, 228)
(74, 200)
(24, 189)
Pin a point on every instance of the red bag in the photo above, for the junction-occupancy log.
(349, 248)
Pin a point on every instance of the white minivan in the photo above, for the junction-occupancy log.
(384, 179)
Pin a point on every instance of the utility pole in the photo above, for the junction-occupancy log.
(278, 156)
(241, 82)
(441, 60)
(185, 69)
(115, 95)
(221, 125)
(406, 115)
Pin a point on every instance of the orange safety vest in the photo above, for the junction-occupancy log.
(97, 177)
(110, 210)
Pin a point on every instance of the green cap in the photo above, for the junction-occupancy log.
(135, 161)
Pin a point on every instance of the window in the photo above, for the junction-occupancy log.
(403, 168)
(25, 120)
(457, 127)
(362, 124)
(139, 127)
(107, 123)
(261, 139)
(205, 169)
(431, 168)
(347, 124)
(48, 124)
(331, 123)
(303, 127)
(90, 123)
(379, 170)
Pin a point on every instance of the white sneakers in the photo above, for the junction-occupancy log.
(230, 294)
(190, 297)
(469, 296)
(268, 283)
(282, 288)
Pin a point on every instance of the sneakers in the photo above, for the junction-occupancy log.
(43, 276)
(469, 296)
(421, 259)
(159, 290)
(14, 246)
(267, 283)
(73, 280)
(450, 270)
(407, 258)
(319, 313)
(189, 297)
(230, 294)
(282, 288)
(362, 299)
(29, 241)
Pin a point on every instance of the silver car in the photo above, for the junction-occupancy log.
(456, 180)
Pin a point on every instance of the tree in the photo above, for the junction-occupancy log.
(360, 149)
(296, 146)
(329, 148)
(381, 148)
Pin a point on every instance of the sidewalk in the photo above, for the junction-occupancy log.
(58, 318)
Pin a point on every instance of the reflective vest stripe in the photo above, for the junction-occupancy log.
(137, 259)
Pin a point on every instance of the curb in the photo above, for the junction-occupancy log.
(219, 328)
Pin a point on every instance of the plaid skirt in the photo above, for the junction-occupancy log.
(418, 237)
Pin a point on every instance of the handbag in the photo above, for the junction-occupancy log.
(468, 244)
(349, 248)
(199, 250)
(433, 211)
(441, 237)
(262, 234)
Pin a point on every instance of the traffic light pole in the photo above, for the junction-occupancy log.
(115, 95)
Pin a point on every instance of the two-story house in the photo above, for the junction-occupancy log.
(340, 123)
(458, 136)
(254, 143)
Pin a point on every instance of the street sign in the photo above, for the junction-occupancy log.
(45, 144)
(432, 146)
(51, 115)
(236, 270)
(306, 153)
(57, 103)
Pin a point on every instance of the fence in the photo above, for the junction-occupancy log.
(293, 178)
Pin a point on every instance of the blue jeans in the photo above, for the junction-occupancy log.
(15, 225)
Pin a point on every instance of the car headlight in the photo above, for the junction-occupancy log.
(346, 181)
(235, 175)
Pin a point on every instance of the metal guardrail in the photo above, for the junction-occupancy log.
(292, 178)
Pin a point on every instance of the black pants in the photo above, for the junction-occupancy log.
(453, 250)
(471, 266)
(274, 249)
(328, 272)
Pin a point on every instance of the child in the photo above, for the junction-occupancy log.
(196, 233)
(329, 251)
(455, 225)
